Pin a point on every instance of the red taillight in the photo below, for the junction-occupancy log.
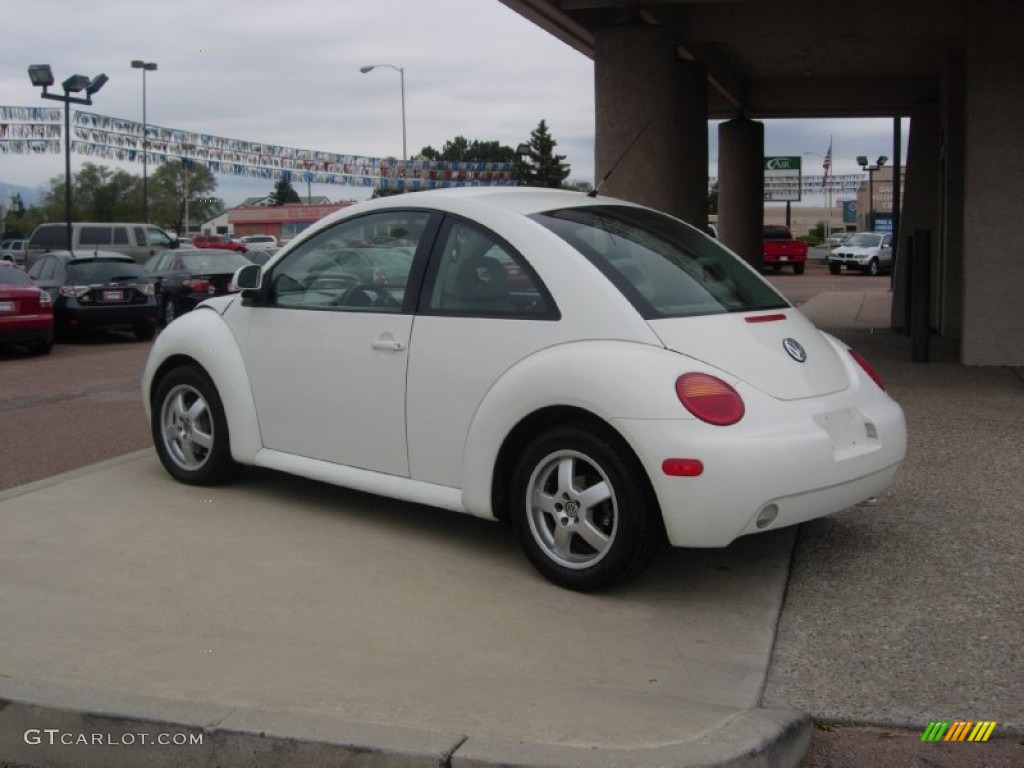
(199, 285)
(868, 369)
(710, 399)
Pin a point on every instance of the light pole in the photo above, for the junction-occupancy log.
(145, 66)
(862, 161)
(401, 75)
(42, 76)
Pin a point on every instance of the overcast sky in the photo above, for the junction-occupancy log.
(287, 73)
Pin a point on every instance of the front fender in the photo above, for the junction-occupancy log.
(203, 339)
(613, 380)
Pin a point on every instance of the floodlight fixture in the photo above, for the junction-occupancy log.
(97, 82)
(401, 80)
(75, 83)
(41, 75)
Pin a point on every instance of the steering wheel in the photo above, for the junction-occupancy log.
(368, 295)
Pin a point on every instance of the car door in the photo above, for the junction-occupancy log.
(327, 351)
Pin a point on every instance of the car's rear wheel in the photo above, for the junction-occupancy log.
(583, 509)
(189, 428)
(170, 310)
(835, 269)
(798, 269)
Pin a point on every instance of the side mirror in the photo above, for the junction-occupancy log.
(248, 278)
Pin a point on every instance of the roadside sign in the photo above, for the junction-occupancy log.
(782, 178)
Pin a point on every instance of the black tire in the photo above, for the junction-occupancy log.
(835, 269)
(169, 311)
(798, 269)
(560, 540)
(144, 331)
(186, 412)
(872, 268)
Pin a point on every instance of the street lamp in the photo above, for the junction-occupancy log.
(862, 161)
(42, 77)
(401, 75)
(145, 66)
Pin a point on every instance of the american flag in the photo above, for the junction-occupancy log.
(827, 164)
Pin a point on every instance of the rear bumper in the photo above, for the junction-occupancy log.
(77, 316)
(809, 458)
(26, 329)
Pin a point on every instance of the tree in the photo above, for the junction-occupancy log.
(542, 168)
(98, 193)
(284, 193)
(461, 149)
(171, 183)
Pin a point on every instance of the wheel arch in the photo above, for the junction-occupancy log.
(536, 424)
(202, 340)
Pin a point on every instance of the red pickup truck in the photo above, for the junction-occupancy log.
(780, 249)
(222, 242)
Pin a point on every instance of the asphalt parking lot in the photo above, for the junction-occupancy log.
(896, 614)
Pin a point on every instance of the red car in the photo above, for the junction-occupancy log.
(781, 249)
(221, 242)
(26, 312)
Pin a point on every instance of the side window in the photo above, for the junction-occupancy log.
(120, 236)
(156, 237)
(47, 267)
(94, 236)
(360, 264)
(475, 273)
(140, 236)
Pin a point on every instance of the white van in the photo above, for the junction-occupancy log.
(140, 241)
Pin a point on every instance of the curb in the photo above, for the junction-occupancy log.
(46, 724)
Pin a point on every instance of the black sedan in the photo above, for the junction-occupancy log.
(185, 278)
(97, 289)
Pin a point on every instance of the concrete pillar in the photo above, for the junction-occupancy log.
(643, 90)
(951, 309)
(741, 187)
(921, 207)
(993, 326)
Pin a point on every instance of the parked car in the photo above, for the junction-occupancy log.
(185, 242)
(867, 252)
(102, 289)
(220, 242)
(259, 241)
(261, 255)
(26, 312)
(640, 381)
(13, 250)
(183, 278)
(837, 238)
(779, 248)
(140, 241)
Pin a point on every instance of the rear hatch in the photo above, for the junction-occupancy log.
(101, 282)
(762, 349)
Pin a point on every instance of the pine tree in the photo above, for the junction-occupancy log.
(542, 167)
(284, 193)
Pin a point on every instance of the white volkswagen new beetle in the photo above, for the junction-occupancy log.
(598, 373)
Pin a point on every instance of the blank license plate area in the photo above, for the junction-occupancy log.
(113, 295)
(849, 432)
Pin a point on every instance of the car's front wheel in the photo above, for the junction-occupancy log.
(189, 427)
(583, 509)
(872, 268)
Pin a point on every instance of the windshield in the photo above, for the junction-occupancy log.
(864, 240)
(664, 267)
(100, 272)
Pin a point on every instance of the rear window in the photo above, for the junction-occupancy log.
(664, 267)
(776, 233)
(13, 276)
(224, 261)
(96, 272)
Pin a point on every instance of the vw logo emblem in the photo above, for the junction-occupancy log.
(795, 350)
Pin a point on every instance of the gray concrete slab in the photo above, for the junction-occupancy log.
(911, 610)
(275, 601)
